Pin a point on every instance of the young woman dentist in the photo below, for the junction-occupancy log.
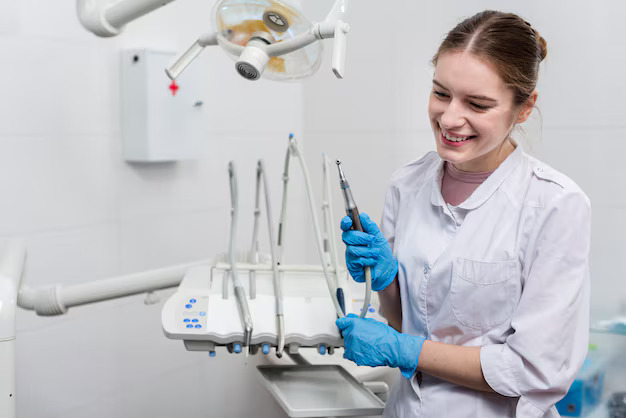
(481, 262)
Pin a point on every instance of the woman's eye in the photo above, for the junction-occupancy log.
(442, 95)
(479, 107)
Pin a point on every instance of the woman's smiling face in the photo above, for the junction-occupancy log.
(471, 112)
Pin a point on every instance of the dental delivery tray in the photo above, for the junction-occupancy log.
(204, 314)
(319, 391)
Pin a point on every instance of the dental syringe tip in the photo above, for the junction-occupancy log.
(338, 162)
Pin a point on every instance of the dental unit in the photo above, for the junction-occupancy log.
(275, 304)
(244, 303)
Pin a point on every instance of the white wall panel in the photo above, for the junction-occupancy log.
(54, 182)
(56, 87)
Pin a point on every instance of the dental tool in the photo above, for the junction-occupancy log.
(353, 212)
(278, 290)
(329, 231)
(330, 228)
(294, 149)
(240, 294)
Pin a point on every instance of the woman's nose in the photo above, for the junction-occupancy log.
(453, 116)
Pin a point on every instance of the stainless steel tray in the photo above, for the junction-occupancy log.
(319, 391)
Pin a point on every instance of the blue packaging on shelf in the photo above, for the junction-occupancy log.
(586, 391)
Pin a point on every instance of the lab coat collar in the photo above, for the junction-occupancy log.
(485, 190)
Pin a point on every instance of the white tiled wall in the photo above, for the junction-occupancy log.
(376, 119)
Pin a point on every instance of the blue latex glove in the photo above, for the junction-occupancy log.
(368, 342)
(368, 248)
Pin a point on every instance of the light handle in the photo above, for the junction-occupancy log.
(191, 54)
(339, 48)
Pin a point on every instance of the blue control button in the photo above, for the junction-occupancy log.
(322, 349)
(237, 348)
(265, 348)
(212, 353)
(198, 326)
(186, 320)
(371, 310)
(202, 314)
(188, 306)
(192, 301)
(195, 320)
(189, 326)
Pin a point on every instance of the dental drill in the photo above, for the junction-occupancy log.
(261, 178)
(353, 213)
(240, 294)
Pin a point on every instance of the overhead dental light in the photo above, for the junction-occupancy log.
(265, 37)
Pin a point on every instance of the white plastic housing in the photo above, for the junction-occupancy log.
(8, 305)
(339, 49)
(309, 314)
(107, 18)
(11, 270)
(162, 120)
(7, 379)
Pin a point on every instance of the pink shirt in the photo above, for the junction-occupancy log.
(457, 185)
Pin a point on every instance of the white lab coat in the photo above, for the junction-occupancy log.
(506, 270)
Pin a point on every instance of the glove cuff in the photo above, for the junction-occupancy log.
(382, 283)
(409, 348)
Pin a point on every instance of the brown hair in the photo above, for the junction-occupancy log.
(505, 40)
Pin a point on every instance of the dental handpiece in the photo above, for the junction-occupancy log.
(353, 212)
(240, 294)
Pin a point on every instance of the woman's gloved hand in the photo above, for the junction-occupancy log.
(368, 342)
(368, 248)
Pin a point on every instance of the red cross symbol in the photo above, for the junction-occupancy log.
(174, 87)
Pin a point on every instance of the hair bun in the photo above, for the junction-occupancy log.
(543, 45)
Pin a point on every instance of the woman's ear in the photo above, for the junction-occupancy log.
(527, 107)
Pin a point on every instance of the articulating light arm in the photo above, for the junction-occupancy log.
(257, 54)
(107, 18)
(254, 57)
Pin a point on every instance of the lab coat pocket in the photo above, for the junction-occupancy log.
(483, 292)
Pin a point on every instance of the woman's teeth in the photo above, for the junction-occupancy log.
(455, 139)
